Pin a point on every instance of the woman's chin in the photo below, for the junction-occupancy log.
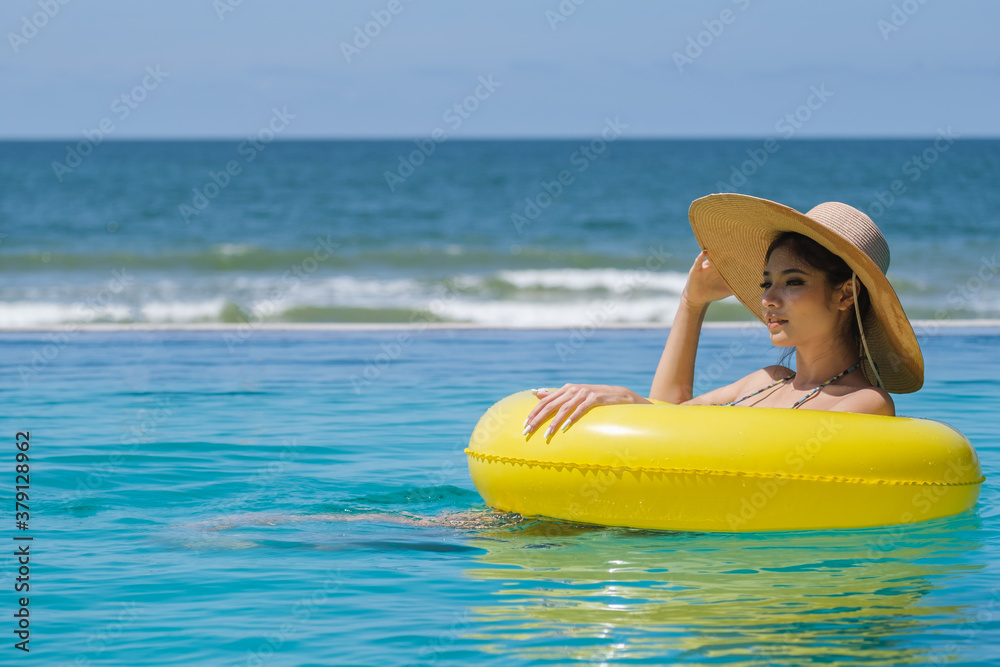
(780, 339)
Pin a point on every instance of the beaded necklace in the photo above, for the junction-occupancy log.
(805, 398)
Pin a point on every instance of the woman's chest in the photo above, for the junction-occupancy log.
(786, 396)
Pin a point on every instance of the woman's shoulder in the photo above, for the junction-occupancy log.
(862, 399)
(766, 376)
(776, 372)
(761, 378)
(866, 400)
(747, 384)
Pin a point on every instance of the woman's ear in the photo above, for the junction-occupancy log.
(845, 295)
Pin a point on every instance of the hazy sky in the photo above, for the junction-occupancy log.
(218, 68)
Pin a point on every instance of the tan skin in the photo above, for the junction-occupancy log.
(802, 310)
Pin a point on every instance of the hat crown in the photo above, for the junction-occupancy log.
(854, 227)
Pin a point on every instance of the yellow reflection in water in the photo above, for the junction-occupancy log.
(604, 595)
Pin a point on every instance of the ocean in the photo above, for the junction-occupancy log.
(521, 233)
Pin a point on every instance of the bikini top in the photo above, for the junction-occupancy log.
(804, 398)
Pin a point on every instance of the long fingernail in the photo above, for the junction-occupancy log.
(548, 431)
(566, 426)
(527, 429)
(525, 423)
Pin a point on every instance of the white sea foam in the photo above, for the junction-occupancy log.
(47, 313)
(552, 297)
(575, 313)
(613, 280)
(182, 311)
(319, 290)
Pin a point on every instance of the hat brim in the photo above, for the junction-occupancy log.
(736, 230)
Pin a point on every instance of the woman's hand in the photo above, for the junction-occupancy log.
(704, 283)
(570, 402)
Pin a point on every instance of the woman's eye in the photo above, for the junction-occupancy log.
(795, 281)
(765, 285)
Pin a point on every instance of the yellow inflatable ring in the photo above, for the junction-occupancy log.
(707, 468)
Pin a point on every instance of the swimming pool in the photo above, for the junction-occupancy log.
(301, 498)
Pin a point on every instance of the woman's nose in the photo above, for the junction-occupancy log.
(769, 299)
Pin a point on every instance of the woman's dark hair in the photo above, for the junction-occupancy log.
(833, 267)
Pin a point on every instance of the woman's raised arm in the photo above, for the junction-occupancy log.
(674, 378)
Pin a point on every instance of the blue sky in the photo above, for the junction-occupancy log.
(719, 68)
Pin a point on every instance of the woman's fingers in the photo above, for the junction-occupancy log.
(570, 402)
(545, 398)
(565, 406)
(549, 403)
(578, 411)
(705, 283)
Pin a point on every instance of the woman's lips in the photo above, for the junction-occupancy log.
(774, 322)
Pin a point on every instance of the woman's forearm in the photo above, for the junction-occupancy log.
(674, 378)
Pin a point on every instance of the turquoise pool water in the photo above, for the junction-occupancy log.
(301, 498)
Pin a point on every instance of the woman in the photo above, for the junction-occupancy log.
(816, 280)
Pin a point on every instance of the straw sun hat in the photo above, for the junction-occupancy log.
(736, 230)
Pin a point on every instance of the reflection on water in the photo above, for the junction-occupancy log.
(555, 592)
(608, 595)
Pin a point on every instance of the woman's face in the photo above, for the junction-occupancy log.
(799, 306)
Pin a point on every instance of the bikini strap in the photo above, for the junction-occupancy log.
(773, 384)
(830, 381)
(805, 398)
